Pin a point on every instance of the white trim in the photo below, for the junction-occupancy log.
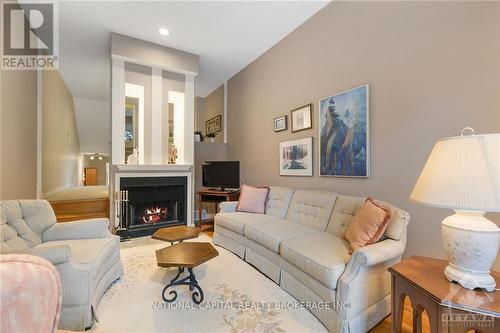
(117, 110)
(156, 115)
(153, 65)
(188, 149)
(224, 120)
(135, 91)
(189, 192)
(56, 191)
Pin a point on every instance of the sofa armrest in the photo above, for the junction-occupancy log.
(83, 229)
(228, 206)
(379, 252)
(55, 254)
(365, 279)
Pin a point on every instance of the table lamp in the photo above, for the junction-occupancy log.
(463, 173)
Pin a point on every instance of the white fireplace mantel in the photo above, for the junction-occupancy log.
(119, 171)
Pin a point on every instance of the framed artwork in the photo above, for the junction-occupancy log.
(302, 118)
(213, 125)
(280, 123)
(296, 157)
(344, 134)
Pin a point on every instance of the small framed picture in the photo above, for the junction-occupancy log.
(302, 118)
(213, 125)
(280, 124)
(296, 157)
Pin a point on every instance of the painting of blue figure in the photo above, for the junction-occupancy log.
(344, 134)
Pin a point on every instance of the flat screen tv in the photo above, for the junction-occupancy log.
(221, 174)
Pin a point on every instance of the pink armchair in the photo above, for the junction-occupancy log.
(30, 294)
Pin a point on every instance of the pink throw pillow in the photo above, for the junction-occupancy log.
(252, 199)
(368, 225)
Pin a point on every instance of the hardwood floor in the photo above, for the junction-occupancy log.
(385, 325)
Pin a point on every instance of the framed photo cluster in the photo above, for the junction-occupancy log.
(344, 137)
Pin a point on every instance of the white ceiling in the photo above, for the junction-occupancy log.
(227, 35)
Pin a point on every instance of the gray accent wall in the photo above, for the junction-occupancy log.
(433, 68)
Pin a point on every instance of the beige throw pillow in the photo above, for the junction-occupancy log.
(368, 225)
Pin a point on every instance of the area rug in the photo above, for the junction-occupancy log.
(238, 298)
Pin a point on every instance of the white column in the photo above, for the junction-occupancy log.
(156, 115)
(189, 121)
(117, 111)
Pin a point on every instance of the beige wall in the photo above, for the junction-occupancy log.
(214, 106)
(60, 145)
(100, 165)
(433, 68)
(18, 135)
(199, 114)
(153, 54)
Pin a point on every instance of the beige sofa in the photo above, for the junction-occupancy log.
(85, 253)
(299, 244)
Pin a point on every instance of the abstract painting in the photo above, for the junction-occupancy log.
(296, 157)
(344, 131)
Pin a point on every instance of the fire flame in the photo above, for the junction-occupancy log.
(154, 214)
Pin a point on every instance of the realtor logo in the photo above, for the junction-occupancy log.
(29, 36)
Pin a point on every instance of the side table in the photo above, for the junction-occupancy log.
(215, 197)
(450, 307)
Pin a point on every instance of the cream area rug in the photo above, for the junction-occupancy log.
(238, 298)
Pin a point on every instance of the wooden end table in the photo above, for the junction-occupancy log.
(185, 255)
(176, 234)
(215, 197)
(450, 307)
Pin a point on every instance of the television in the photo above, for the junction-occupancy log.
(221, 174)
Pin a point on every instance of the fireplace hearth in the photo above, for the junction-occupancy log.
(147, 204)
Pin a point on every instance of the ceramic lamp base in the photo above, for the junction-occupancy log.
(471, 242)
(470, 280)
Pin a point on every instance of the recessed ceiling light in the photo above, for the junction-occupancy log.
(164, 31)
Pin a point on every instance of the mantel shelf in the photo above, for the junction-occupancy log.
(152, 167)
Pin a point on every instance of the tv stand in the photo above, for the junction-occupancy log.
(221, 190)
(215, 196)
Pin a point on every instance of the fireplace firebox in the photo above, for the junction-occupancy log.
(147, 204)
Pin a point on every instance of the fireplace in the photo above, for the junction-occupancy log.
(147, 204)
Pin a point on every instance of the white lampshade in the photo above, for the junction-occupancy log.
(462, 173)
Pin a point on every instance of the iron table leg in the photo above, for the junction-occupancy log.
(190, 280)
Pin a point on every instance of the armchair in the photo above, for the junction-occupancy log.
(85, 253)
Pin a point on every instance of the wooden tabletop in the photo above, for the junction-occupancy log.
(218, 192)
(176, 234)
(186, 254)
(427, 274)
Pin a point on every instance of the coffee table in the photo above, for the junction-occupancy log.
(185, 255)
(176, 234)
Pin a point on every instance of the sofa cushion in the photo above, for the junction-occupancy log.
(11, 215)
(99, 254)
(398, 221)
(252, 199)
(278, 201)
(271, 233)
(368, 225)
(9, 240)
(238, 220)
(343, 211)
(311, 208)
(38, 215)
(321, 255)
